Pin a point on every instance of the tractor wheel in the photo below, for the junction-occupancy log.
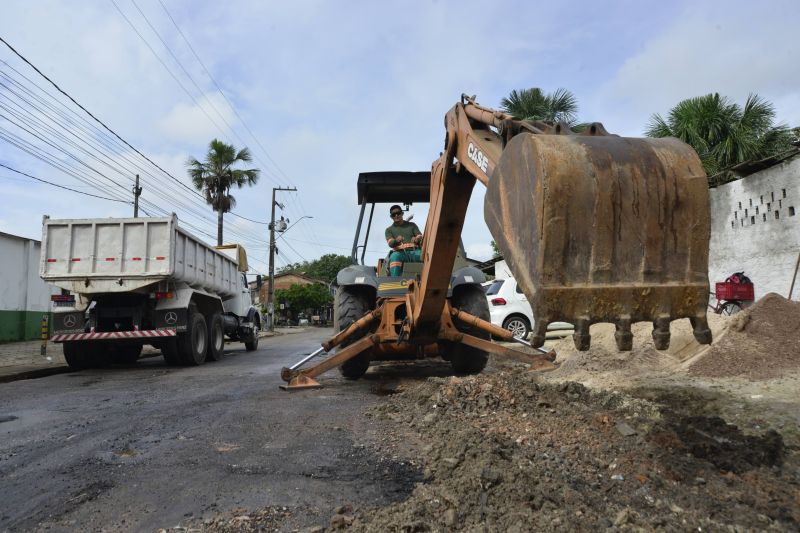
(465, 359)
(193, 345)
(351, 304)
(216, 337)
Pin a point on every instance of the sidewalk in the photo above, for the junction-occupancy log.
(23, 360)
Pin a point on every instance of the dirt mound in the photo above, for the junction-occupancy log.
(762, 342)
(643, 360)
(507, 452)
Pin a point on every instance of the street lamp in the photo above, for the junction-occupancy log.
(283, 232)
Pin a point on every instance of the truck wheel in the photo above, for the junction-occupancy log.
(216, 337)
(465, 359)
(351, 304)
(251, 343)
(77, 357)
(193, 345)
(126, 354)
(169, 349)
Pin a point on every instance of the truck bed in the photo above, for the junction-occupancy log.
(122, 254)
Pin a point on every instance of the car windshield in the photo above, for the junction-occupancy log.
(494, 288)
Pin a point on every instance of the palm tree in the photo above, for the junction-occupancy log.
(723, 133)
(216, 176)
(534, 104)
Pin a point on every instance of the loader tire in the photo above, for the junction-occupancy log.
(216, 337)
(351, 304)
(465, 359)
(77, 356)
(193, 345)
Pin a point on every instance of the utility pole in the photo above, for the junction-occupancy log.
(271, 292)
(137, 191)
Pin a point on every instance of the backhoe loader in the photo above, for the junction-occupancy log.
(595, 228)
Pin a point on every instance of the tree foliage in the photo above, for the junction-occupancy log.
(722, 132)
(304, 298)
(495, 249)
(534, 104)
(325, 268)
(215, 177)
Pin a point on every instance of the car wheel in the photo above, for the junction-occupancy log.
(518, 326)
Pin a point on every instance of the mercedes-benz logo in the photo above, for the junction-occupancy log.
(70, 321)
(171, 317)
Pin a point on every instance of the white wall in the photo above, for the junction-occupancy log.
(764, 247)
(21, 288)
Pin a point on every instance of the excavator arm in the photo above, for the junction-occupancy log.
(595, 227)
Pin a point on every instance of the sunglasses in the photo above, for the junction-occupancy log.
(397, 214)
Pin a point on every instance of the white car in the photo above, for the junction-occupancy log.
(509, 308)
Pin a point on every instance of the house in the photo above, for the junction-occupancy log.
(755, 224)
(286, 280)
(24, 297)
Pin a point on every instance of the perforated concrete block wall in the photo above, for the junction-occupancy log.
(755, 228)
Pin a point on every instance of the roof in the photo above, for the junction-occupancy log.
(751, 167)
(299, 275)
(394, 187)
(18, 237)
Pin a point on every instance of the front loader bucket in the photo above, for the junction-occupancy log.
(604, 229)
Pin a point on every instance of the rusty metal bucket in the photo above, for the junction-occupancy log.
(604, 229)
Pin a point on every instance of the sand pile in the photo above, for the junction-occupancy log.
(644, 359)
(762, 342)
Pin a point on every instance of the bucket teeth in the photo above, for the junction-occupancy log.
(661, 332)
(539, 333)
(581, 337)
(623, 335)
(700, 329)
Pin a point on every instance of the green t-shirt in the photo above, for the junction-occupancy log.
(407, 229)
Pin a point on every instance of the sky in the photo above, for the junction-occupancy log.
(322, 90)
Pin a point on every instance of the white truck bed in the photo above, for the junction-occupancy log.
(104, 255)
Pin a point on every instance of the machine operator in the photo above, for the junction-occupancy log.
(405, 239)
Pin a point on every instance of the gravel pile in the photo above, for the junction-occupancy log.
(762, 342)
(506, 452)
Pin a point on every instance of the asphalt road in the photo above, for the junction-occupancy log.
(148, 446)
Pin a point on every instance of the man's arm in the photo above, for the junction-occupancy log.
(391, 240)
(417, 234)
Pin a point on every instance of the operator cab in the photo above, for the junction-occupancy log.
(403, 188)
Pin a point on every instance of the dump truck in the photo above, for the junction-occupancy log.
(127, 282)
(595, 228)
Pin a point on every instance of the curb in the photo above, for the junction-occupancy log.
(32, 373)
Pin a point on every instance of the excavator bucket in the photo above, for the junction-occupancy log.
(602, 228)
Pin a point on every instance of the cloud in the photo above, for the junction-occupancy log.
(195, 123)
(710, 47)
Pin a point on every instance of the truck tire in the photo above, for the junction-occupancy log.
(193, 345)
(465, 359)
(169, 349)
(77, 355)
(251, 342)
(351, 304)
(126, 354)
(216, 337)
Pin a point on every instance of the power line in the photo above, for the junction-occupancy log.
(75, 125)
(62, 186)
(59, 89)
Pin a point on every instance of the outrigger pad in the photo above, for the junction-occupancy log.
(302, 382)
